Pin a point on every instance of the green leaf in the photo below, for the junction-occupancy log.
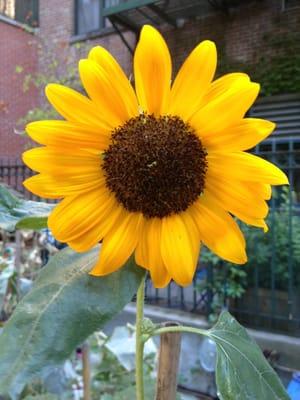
(64, 307)
(242, 372)
(7, 199)
(45, 396)
(16, 212)
(19, 69)
(35, 223)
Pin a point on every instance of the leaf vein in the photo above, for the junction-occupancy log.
(15, 365)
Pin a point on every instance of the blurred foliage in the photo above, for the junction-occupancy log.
(226, 282)
(58, 67)
(277, 70)
(16, 212)
(281, 242)
(111, 380)
(16, 279)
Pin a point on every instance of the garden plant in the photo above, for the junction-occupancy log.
(151, 174)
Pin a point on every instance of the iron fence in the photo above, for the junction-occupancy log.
(271, 297)
(272, 288)
(13, 172)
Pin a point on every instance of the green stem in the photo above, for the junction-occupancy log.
(180, 328)
(139, 344)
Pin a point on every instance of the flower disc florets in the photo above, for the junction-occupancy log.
(155, 165)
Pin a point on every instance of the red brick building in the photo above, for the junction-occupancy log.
(18, 52)
(261, 37)
(245, 32)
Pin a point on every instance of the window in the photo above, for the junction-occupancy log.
(7, 8)
(24, 11)
(88, 16)
(287, 4)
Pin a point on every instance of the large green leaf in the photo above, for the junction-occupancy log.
(64, 307)
(242, 372)
(16, 212)
(45, 396)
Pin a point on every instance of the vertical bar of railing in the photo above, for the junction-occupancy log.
(256, 274)
(273, 244)
(194, 293)
(210, 295)
(169, 294)
(101, 19)
(224, 266)
(290, 231)
(182, 303)
(1, 169)
(9, 168)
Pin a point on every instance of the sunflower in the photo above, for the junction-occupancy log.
(156, 171)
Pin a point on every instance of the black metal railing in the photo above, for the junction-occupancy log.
(272, 289)
(271, 297)
(13, 172)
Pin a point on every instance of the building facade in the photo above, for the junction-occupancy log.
(248, 35)
(260, 37)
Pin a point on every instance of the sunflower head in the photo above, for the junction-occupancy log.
(165, 165)
(157, 170)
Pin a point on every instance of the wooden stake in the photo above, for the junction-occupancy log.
(86, 372)
(168, 361)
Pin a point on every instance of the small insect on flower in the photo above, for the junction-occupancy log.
(155, 171)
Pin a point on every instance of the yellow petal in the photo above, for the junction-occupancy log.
(75, 107)
(259, 223)
(193, 79)
(112, 68)
(192, 229)
(178, 250)
(97, 232)
(74, 217)
(245, 167)
(68, 134)
(262, 190)
(55, 187)
(243, 135)
(103, 89)
(245, 200)
(223, 84)
(59, 161)
(218, 231)
(118, 244)
(152, 71)
(236, 197)
(148, 253)
(225, 110)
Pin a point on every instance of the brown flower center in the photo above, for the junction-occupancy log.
(155, 165)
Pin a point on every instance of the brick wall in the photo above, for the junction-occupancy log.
(17, 47)
(57, 29)
(241, 36)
